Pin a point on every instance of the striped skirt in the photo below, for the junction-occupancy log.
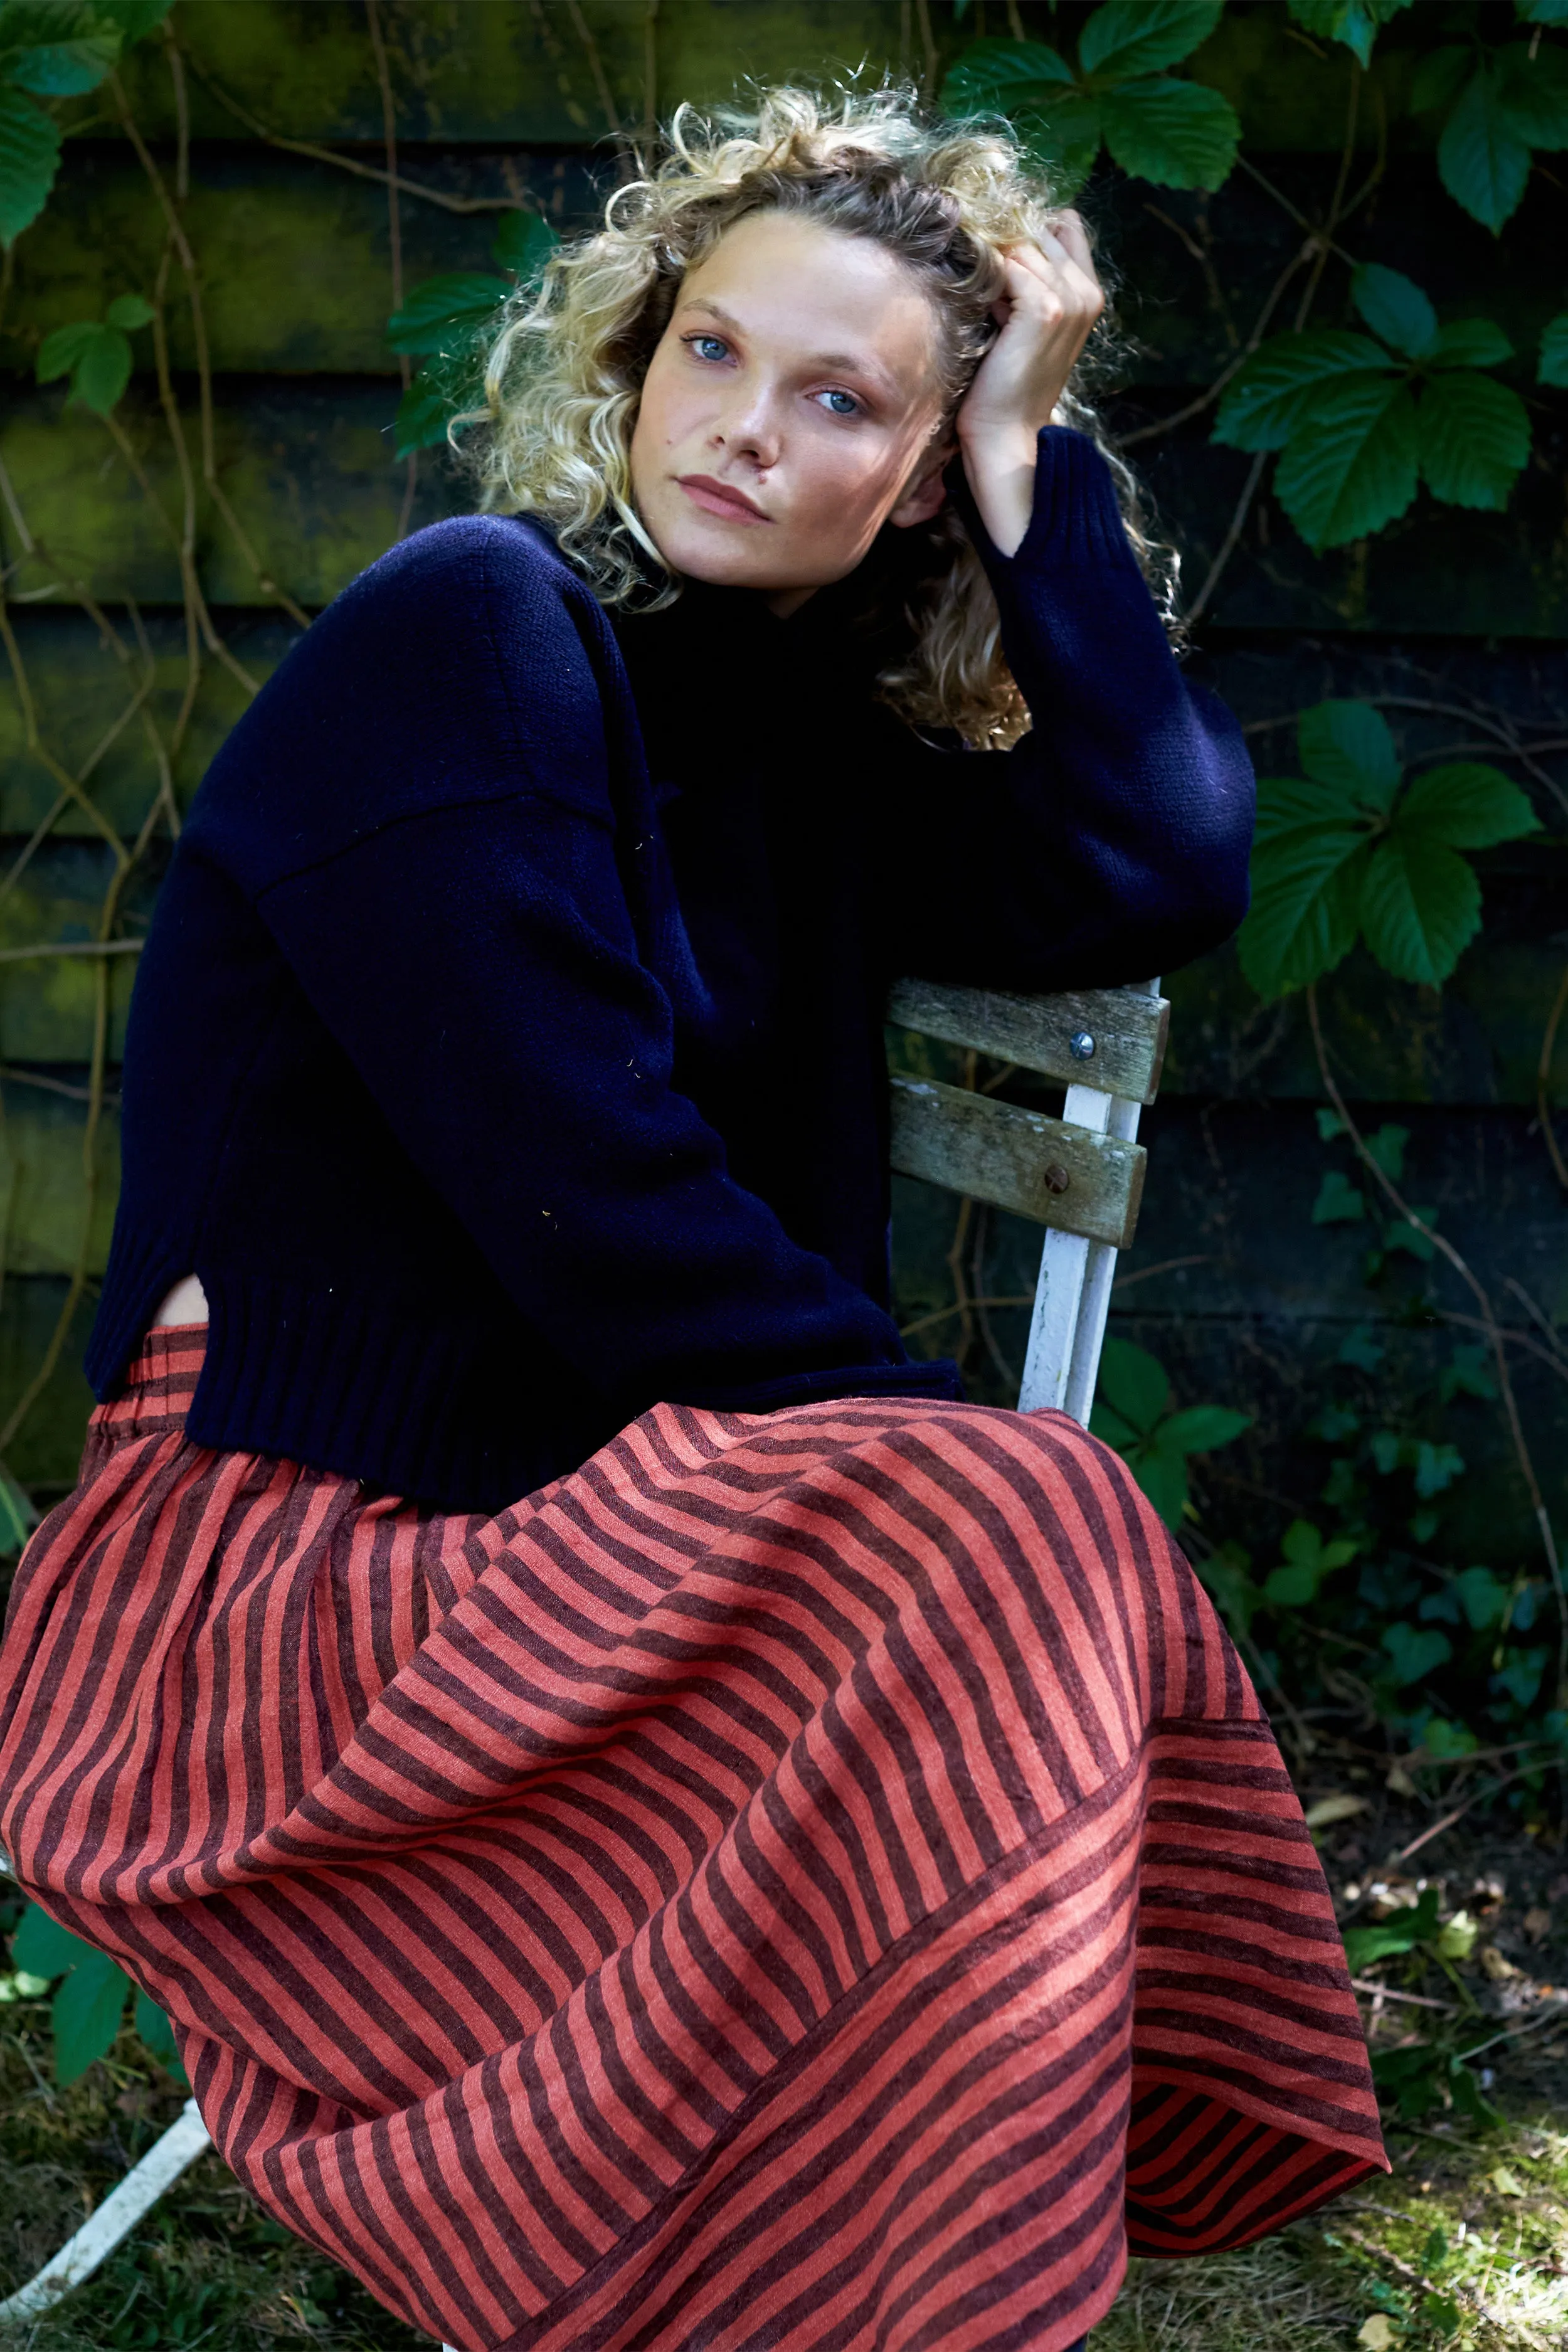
(806, 1880)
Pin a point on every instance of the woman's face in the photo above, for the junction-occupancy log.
(797, 372)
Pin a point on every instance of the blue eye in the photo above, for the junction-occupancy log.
(705, 339)
(854, 407)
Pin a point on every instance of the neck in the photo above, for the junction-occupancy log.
(782, 602)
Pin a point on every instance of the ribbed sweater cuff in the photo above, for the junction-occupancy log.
(1076, 522)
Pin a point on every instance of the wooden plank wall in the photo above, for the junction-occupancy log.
(509, 100)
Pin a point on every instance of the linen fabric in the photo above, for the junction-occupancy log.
(506, 1052)
(817, 1880)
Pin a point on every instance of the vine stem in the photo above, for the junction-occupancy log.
(1543, 1082)
(349, 164)
(1493, 1331)
(394, 232)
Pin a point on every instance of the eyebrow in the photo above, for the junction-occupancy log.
(840, 361)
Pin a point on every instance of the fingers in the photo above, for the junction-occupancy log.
(1054, 265)
(1069, 230)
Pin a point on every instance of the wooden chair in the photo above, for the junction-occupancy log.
(1081, 1176)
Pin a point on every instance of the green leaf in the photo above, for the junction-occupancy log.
(135, 18)
(1420, 907)
(1305, 911)
(61, 351)
(1394, 308)
(1470, 342)
(1475, 440)
(30, 158)
(1542, 12)
(523, 243)
(1199, 1428)
(1415, 1923)
(1179, 134)
(57, 48)
(1162, 1472)
(1111, 1429)
(1348, 745)
(44, 1948)
(1291, 1587)
(1440, 75)
(1144, 37)
(1468, 805)
(17, 1517)
(1350, 464)
(1297, 803)
(1481, 160)
(425, 410)
(158, 2035)
(1385, 1148)
(447, 312)
(1338, 1201)
(88, 2011)
(1414, 1653)
(1484, 1601)
(1133, 1383)
(1356, 23)
(1062, 139)
(104, 371)
(993, 77)
(1553, 367)
(1263, 401)
(1436, 1467)
(1532, 91)
(129, 311)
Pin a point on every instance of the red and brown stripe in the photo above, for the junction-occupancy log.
(810, 1880)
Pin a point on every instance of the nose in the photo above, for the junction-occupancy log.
(750, 426)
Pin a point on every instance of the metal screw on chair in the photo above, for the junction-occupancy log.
(1056, 1178)
(1080, 1045)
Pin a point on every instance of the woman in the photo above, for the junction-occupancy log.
(641, 1804)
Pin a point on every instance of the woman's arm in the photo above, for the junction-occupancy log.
(1111, 842)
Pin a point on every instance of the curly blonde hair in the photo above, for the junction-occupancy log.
(565, 373)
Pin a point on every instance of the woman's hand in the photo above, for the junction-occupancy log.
(1046, 313)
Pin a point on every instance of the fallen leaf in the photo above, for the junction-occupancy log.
(1504, 2181)
(1399, 1782)
(1537, 1923)
(1376, 2333)
(1337, 1808)
(1497, 1968)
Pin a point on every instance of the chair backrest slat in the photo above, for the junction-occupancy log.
(1063, 1176)
(1112, 1038)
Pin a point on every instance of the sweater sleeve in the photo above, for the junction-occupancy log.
(1110, 843)
(521, 1052)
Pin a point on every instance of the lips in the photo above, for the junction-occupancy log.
(718, 498)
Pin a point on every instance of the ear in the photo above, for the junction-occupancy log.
(925, 494)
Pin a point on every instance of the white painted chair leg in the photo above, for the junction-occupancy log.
(115, 2218)
(1072, 1297)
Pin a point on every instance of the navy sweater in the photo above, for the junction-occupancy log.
(506, 1053)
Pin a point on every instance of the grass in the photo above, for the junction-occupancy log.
(1464, 2247)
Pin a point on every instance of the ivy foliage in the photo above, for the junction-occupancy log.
(1355, 849)
(1121, 95)
(447, 322)
(1500, 105)
(50, 49)
(90, 1997)
(1134, 1415)
(96, 354)
(1359, 422)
